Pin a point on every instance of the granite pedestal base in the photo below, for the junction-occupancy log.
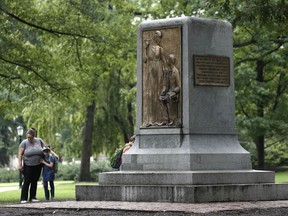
(184, 187)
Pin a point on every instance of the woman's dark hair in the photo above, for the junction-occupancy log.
(34, 131)
(132, 138)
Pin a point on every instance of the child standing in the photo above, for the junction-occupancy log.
(48, 173)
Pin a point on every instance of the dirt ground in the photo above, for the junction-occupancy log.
(116, 208)
(10, 211)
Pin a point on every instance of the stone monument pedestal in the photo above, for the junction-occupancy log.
(184, 186)
(186, 147)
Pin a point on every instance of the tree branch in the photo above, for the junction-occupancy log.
(243, 110)
(260, 57)
(9, 77)
(279, 91)
(274, 143)
(78, 53)
(52, 31)
(31, 69)
(244, 60)
(16, 78)
(246, 43)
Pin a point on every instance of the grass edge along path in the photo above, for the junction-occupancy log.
(64, 190)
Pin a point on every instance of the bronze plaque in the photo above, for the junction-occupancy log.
(212, 70)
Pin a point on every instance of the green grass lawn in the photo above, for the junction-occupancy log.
(64, 190)
(281, 177)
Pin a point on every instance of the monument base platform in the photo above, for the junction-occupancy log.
(205, 177)
(184, 186)
(183, 193)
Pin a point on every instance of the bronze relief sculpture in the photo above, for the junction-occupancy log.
(161, 78)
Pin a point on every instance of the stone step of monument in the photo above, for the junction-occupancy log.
(186, 177)
(183, 194)
(171, 159)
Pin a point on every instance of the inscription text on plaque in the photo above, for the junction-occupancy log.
(212, 70)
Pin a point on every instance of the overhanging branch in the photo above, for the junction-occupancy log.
(52, 31)
(32, 70)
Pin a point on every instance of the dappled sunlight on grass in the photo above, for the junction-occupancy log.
(64, 190)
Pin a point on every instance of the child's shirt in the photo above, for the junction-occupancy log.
(48, 173)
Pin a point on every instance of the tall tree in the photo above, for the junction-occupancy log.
(58, 58)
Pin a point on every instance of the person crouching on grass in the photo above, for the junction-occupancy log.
(48, 173)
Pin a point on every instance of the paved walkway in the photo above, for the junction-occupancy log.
(11, 188)
(3, 189)
(156, 207)
(151, 206)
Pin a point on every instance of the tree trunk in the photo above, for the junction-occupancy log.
(87, 143)
(260, 139)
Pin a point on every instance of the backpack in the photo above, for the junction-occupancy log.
(116, 159)
(55, 165)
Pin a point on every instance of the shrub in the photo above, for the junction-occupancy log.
(98, 167)
(65, 172)
(9, 175)
(68, 172)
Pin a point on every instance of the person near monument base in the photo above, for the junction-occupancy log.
(48, 173)
(117, 157)
(29, 155)
(129, 145)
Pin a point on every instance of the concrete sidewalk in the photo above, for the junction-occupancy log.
(11, 188)
(202, 208)
(4, 189)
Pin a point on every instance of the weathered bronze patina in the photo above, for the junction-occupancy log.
(161, 77)
(212, 70)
